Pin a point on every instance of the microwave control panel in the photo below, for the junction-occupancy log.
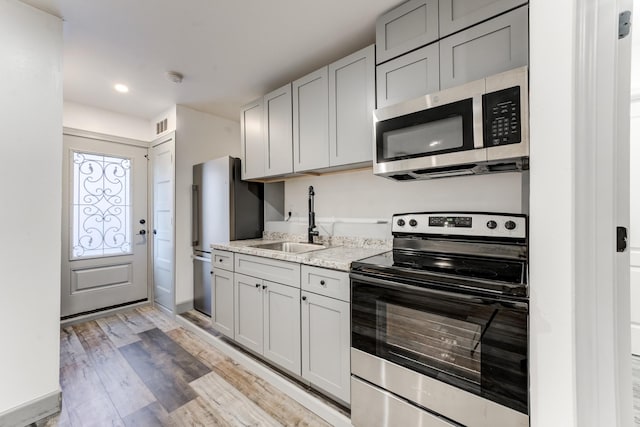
(501, 117)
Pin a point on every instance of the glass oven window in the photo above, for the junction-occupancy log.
(445, 134)
(437, 130)
(473, 343)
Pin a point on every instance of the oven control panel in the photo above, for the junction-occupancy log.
(461, 224)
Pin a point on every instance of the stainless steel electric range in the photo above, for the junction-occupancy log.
(440, 324)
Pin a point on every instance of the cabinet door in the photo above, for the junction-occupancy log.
(494, 46)
(456, 15)
(282, 325)
(409, 76)
(278, 137)
(248, 312)
(222, 291)
(252, 140)
(351, 105)
(311, 121)
(406, 27)
(326, 328)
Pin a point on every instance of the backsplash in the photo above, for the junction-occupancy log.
(338, 232)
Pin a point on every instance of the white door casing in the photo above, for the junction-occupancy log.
(104, 261)
(163, 161)
(634, 232)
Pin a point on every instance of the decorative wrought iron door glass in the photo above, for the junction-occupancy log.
(101, 210)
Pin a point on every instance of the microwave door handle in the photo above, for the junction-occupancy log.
(390, 284)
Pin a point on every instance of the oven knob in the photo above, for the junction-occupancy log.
(492, 224)
(401, 222)
(413, 222)
(510, 225)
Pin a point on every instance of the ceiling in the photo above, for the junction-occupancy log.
(229, 51)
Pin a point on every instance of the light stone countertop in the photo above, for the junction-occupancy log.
(333, 257)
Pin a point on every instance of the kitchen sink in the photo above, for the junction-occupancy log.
(290, 247)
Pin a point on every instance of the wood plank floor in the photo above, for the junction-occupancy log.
(140, 368)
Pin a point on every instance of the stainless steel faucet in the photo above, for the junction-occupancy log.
(312, 217)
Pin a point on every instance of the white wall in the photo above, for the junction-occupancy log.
(199, 137)
(84, 117)
(31, 184)
(360, 194)
(634, 232)
(552, 356)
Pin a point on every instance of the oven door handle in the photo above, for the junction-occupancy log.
(518, 305)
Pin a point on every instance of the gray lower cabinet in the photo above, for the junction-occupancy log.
(252, 140)
(456, 15)
(409, 76)
(488, 48)
(248, 312)
(222, 295)
(351, 104)
(267, 320)
(412, 24)
(326, 330)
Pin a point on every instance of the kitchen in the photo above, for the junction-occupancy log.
(552, 385)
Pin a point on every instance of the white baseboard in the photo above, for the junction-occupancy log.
(33, 411)
(312, 403)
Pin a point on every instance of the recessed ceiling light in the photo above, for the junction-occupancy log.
(121, 88)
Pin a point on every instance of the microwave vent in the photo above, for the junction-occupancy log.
(447, 169)
(402, 177)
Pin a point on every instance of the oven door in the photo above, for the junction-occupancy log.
(467, 343)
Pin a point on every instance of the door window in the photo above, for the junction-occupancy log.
(101, 205)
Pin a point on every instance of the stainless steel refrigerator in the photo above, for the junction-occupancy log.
(223, 208)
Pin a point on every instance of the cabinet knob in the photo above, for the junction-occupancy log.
(322, 282)
(211, 272)
(304, 298)
(220, 260)
(264, 286)
(257, 285)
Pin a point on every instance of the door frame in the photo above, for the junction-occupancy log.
(125, 141)
(169, 137)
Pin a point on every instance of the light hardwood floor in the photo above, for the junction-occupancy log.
(140, 368)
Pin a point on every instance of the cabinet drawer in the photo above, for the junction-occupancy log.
(409, 76)
(492, 47)
(284, 272)
(406, 27)
(330, 283)
(223, 260)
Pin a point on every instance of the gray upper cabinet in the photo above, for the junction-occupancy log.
(494, 46)
(252, 140)
(456, 15)
(407, 27)
(408, 76)
(277, 128)
(311, 121)
(351, 105)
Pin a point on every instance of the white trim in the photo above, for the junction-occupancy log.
(102, 313)
(161, 139)
(104, 137)
(315, 405)
(33, 411)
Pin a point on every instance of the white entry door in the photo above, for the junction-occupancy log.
(104, 241)
(163, 156)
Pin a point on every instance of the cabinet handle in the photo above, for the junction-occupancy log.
(322, 282)
(257, 285)
(264, 286)
(304, 298)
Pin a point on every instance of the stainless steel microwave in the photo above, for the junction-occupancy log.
(479, 127)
